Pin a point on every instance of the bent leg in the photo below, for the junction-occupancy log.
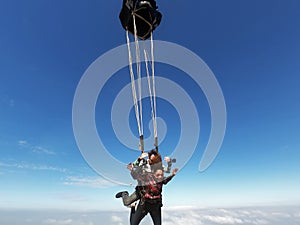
(128, 199)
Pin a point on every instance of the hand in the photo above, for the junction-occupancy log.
(167, 159)
(143, 155)
(174, 171)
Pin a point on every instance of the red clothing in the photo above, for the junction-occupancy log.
(151, 188)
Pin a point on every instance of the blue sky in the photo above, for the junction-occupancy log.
(253, 49)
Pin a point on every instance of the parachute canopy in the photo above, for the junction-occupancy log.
(143, 14)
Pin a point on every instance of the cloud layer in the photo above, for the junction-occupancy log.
(171, 216)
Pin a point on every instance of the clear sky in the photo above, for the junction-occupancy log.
(253, 49)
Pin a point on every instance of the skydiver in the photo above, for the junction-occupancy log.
(151, 200)
(141, 165)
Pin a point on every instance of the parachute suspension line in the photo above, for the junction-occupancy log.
(134, 95)
(151, 87)
(154, 93)
(138, 69)
(137, 103)
(139, 80)
(137, 98)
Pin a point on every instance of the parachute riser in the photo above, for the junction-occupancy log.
(156, 143)
(141, 145)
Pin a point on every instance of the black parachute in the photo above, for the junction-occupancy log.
(146, 15)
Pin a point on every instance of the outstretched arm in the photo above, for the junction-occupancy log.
(167, 179)
(174, 171)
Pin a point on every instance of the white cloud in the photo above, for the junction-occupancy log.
(22, 143)
(66, 222)
(223, 219)
(32, 167)
(245, 216)
(181, 207)
(41, 150)
(35, 148)
(93, 182)
(170, 216)
(117, 220)
(181, 217)
(58, 222)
